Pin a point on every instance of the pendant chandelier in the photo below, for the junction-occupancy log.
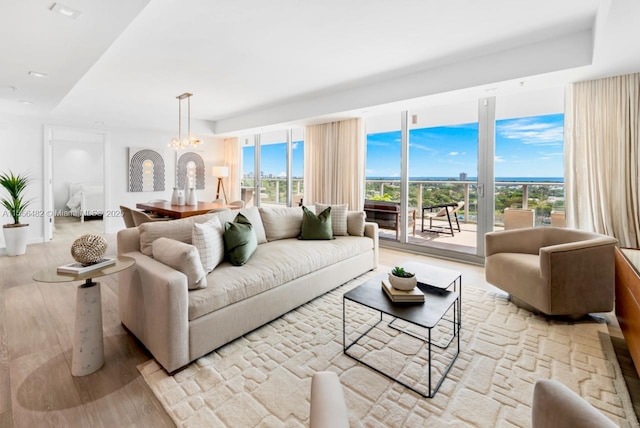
(189, 141)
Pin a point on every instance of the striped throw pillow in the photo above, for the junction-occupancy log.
(338, 218)
(207, 238)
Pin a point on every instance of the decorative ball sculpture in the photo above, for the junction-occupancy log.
(89, 249)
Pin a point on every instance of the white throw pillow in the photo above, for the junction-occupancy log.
(180, 230)
(281, 222)
(182, 257)
(338, 218)
(355, 222)
(252, 214)
(207, 238)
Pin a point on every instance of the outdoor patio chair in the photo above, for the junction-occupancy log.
(444, 212)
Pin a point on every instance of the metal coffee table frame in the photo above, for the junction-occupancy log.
(426, 315)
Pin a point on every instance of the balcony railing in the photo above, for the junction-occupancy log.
(541, 195)
(544, 196)
(274, 190)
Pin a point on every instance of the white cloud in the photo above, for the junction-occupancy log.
(534, 133)
(378, 143)
(282, 175)
(453, 153)
(294, 146)
(421, 147)
(499, 159)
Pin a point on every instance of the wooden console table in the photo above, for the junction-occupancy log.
(627, 298)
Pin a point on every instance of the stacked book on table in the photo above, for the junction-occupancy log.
(401, 296)
(79, 268)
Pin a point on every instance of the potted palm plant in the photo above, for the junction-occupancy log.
(15, 234)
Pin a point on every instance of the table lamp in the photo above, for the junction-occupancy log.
(220, 172)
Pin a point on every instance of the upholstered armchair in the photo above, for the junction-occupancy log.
(552, 270)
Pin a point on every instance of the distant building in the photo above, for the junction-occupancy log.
(463, 176)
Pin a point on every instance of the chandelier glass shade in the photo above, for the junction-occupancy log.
(189, 141)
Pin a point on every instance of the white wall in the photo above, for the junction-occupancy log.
(122, 139)
(75, 162)
(21, 150)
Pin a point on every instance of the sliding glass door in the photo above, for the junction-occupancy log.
(462, 165)
(273, 168)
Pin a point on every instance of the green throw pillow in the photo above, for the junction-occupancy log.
(240, 240)
(316, 226)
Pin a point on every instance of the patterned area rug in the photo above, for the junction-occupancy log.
(264, 378)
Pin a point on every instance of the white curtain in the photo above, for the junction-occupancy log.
(602, 161)
(334, 163)
(232, 160)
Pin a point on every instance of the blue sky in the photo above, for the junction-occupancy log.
(525, 147)
(273, 159)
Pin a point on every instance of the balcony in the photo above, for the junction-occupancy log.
(543, 196)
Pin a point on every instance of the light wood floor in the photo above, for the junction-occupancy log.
(36, 333)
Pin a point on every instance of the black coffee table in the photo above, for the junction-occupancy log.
(428, 315)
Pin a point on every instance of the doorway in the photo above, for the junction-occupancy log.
(76, 182)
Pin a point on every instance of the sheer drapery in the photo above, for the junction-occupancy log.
(232, 160)
(602, 161)
(334, 163)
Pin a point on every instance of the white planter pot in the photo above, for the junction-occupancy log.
(400, 283)
(15, 239)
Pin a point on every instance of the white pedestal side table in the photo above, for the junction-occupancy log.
(88, 346)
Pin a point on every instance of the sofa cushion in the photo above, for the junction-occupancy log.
(281, 222)
(207, 238)
(240, 240)
(180, 230)
(355, 222)
(316, 226)
(182, 257)
(338, 218)
(273, 264)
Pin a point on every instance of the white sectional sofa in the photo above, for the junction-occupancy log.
(178, 325)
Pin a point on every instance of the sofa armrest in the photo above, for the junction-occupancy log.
(526, 241)
(328, 407)
(128, 240)
(555, 405)
(580, 272)
(154, 306)
(371, 231)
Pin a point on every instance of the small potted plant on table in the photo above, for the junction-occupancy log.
(15, 234)
(402, 280)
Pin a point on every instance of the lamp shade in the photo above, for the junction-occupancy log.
(220, 171)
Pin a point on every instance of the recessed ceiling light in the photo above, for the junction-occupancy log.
(98, 123)
(65, 11)
(25, 102)
(37, 74)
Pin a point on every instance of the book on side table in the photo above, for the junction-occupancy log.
(78, 268)
(401, 296)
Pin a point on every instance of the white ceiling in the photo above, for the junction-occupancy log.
(255, 62)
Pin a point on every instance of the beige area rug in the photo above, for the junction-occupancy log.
(264, 378)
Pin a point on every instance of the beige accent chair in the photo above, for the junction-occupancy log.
(553, 270)
(127, 216)
(140, 217)
(555, 405)
(519, 218)
(328, 408)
